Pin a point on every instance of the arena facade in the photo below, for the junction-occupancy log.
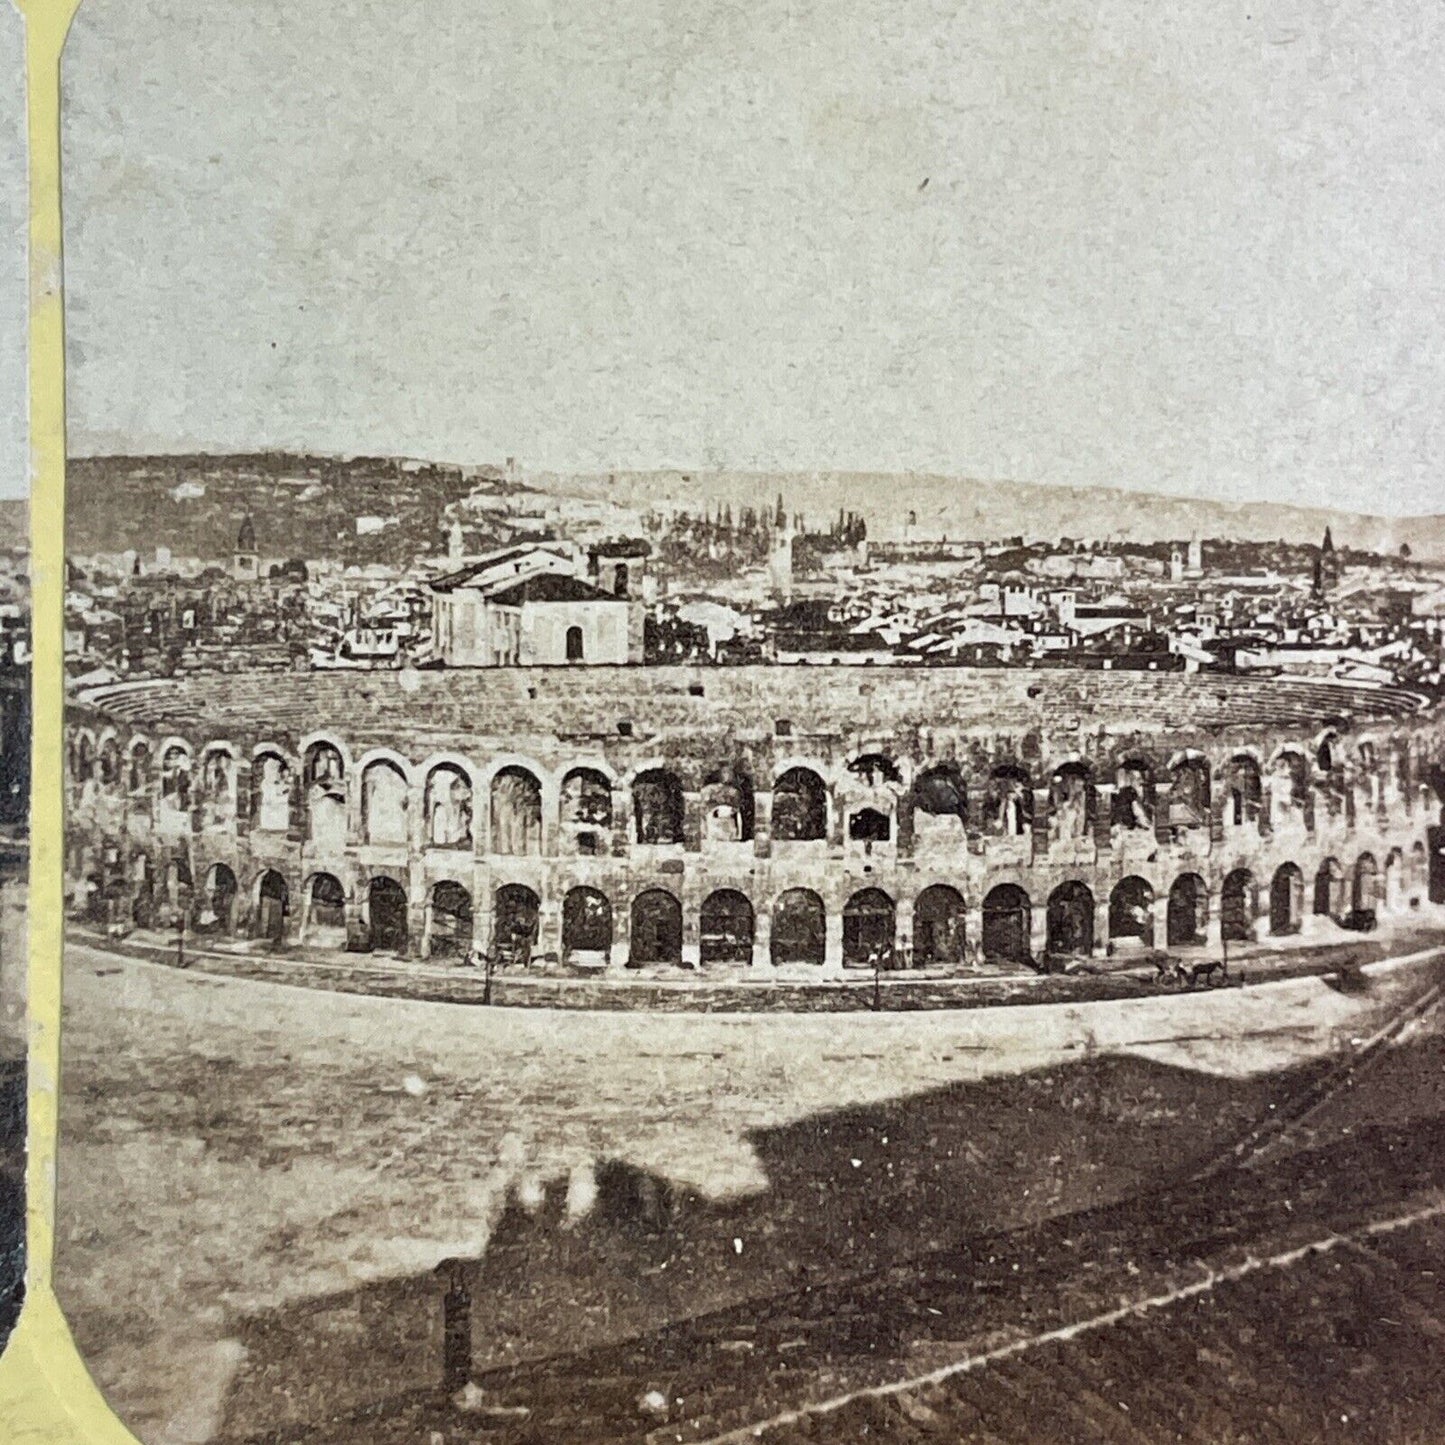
(753, 818)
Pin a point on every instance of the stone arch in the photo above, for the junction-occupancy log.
(270, 904)
(1238, 906)
(1393, 890)
(324, 922)
(447, 799)
(1071, 920)
(1366, 891)
(1187, 919)
(940, 799)
(657, 807)
(516, 812)
(727, 806)
(869, 929)
(324, 775)
(1072, 802)
(1286, 900)
(939, 926)
(271, 779)
(449, 920)
(215, 905)
(1330, 899)
(1131, 912)
(1289, 790)
(799, 927)
(656, 932)
(585, 805)
(175, 777)
(1008, 810)
(109, 762)
(800, 807)
(726, 927)
(1190, 792)
(574, 645)
(1132, 807)
(383, 802)
(1007, 920)
(138, 766)
(516, 918)
(1243, 791)
(587, 926)
(386, 913)
(218, 786)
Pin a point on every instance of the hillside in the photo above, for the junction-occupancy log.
(309, 506)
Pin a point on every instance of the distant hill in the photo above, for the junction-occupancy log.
(308, 506)
(965, 508)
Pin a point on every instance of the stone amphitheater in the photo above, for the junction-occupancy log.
(778, 822)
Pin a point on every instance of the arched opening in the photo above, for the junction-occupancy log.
(940, 800)
(1286, 900)
(448, 807)
(1007, 919)
(726, 925)
(1394, 890)
(176, 780)
(1008, 803)
(1190, 794)
(799, 928)
(516, 813)
(516, 916)
(138, 767)
(1243, 792)
(1238, 906)
(271, 793)
(587, 927)
(325, 777)
(868, 930)
(868, 825)
(939, 932)
(1132, 809)
(109, 764)
(1188, 916)
(1330, 901)
(325, 911)
(216, 903)
(657, 807)
(1071, 804)
(1131, 913)
(619, 580)
(383, 803)
(586, 808)
(449, 929)
(218, 789)
(1366, 895)
(1071, 921)
(800, 807)
(727, 806)
(143, 885)
(386, 915)
(574, 644)
(268, 918)
(656, 928)
(1289, 790)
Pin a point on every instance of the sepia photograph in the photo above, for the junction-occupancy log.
(754, 740)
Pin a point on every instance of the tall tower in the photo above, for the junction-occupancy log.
(1194, 567)
(1327, 566)
(245, 562)
(454, 544)
(780, 562)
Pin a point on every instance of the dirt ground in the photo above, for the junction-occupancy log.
(257, 1181)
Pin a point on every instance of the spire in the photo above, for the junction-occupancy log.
(1328, 545)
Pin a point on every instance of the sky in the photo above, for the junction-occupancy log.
(1189, 249)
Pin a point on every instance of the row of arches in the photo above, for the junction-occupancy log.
(939, 800)
(797, 920)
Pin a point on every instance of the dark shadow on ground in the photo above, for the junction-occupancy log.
(852, 1195)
